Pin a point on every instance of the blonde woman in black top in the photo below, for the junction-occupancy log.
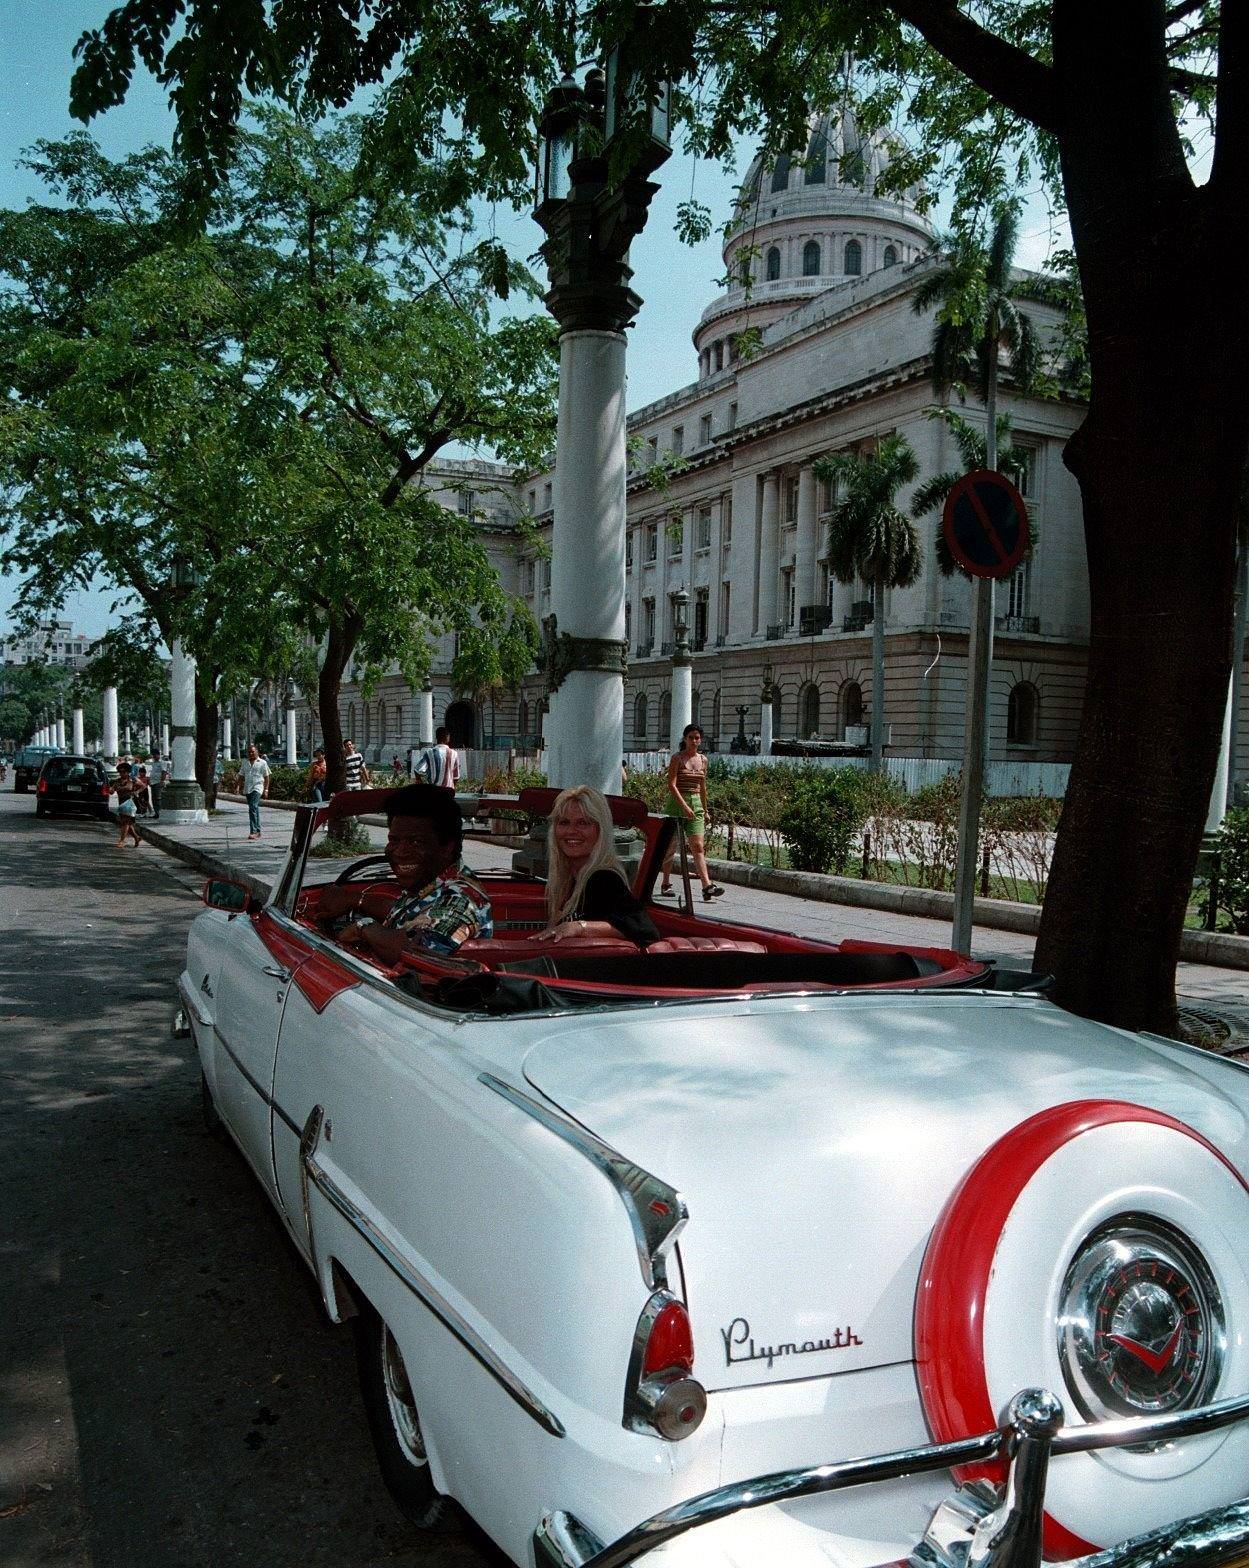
(586, 891)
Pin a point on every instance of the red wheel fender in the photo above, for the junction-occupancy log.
(958, 1262)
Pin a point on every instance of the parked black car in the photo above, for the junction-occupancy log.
(69, 783)
(27, 765)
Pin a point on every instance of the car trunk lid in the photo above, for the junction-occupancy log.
(816, 1143)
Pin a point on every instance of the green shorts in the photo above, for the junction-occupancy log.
(695, 827)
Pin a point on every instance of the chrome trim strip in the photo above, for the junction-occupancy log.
(308, 1141)
(262, 1092)
(657, 1212)
(192, 1004)
(562, 1541)
(442, 1309)
(1208, 1540)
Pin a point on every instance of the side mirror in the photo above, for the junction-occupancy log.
(233, 897)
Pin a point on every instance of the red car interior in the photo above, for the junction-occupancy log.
(694, 955)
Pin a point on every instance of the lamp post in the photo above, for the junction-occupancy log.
(766, 698)
(591, 210)
(182, 799)
(292, 752)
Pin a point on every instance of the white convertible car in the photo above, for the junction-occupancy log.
(745, 1249)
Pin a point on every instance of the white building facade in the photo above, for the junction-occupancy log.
(815, 348)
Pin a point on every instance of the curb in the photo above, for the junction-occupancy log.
(996, 914)
(201, 860)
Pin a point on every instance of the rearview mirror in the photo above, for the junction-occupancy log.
(230, 896)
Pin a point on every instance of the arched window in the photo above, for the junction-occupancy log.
(817, 159)
(809, 711)
(714, 738)
(665, 717)
(891, 256)
(368, 724)
(811, 259)
(639, 715)
(854, 259)
(774, 265)
(351, 721)
(851, 706)
(780, 174)
(696, 716)
(522, 719)
(745, 277)
(398, 721)
(381, 724)
(1022, 709)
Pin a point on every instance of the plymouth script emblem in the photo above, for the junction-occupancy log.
(739, 1344)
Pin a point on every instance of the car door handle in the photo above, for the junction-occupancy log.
(274, 971)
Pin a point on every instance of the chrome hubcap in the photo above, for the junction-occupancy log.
(399, 1399)
(1140, 1325)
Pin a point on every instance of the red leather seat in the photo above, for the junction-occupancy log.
(510, 950)
(704, 944)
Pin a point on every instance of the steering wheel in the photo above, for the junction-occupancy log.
(348, 873)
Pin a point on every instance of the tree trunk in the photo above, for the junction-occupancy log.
(1160, 461)
(342, 635)
(206, 746)
(878, 675)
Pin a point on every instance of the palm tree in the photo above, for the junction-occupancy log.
(869, 537)
(977, 318)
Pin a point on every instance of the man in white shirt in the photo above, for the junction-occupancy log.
(438, 764)
(255, 787)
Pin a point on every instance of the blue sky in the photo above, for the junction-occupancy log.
(675, 281)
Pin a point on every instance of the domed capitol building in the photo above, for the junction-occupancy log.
(825, 266)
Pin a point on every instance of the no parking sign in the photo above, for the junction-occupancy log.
(985, 523)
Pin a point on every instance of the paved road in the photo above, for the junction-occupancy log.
(170, 1390)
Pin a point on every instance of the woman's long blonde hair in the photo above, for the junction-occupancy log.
(563, 889)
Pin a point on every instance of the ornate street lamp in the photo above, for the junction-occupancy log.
(598, 144)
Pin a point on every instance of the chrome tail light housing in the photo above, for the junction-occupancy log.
(662, 1396)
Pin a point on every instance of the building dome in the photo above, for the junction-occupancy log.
(806, 222)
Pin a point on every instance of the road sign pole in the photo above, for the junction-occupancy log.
(976, 719)
(975, 729)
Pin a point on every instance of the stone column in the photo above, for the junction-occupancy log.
(77, 731)
(714, 575)
(769, 545)
(587, 559)
(425, 726)
(1218, 795)
(60, 731)
(227, 737)
(765, 722)
(682, 674)
(292, 736)
(110, 723)
(129, 742)
(744, 560)
(639, 572)
(183, 800)
(806, 551)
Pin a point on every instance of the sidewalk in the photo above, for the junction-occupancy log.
(221, 847)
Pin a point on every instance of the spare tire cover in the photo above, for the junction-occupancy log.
(1097, 1250)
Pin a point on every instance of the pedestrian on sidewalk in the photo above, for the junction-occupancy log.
(126, 809)
(143, 792)
(255, 787)
(160, 777)
(687, 802)
(316, 776)
(438, 764)
(357, 773)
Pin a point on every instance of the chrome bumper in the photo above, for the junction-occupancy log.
(983, 1528)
